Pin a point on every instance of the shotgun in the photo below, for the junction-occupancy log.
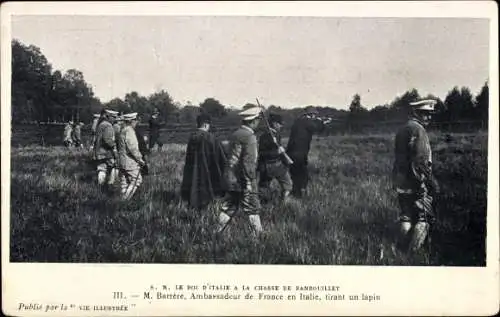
(287, 158)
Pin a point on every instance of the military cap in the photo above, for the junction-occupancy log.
(274, 117)
(130, 116)
(97, 115)
(424, 105)
(111, 112)
(250, 113)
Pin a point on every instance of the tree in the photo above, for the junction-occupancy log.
(136, 102)
(482, 103)
(213, 107)
(31, 83)
(163, 102)
(459, 104)
(356, 106)
(189, 113)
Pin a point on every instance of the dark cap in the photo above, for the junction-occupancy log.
(203, 118)
(274, 117)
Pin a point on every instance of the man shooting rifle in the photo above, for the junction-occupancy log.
(273, 161)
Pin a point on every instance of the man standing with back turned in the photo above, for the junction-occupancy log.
(154, 130)
(271, 164)
(298, 148)
(413, 178)
(240, 173)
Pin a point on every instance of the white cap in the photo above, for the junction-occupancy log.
(97, 115)
(424, 105)
(250, 113)
(111, 112)
(130, 116)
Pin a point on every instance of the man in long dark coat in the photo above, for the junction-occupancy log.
(298, 148)
(155, 124)
(204, 166)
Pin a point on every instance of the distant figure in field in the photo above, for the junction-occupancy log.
(105, 153)
(141, 139)
(130, 158)
(299, 144)
(154, 130)
(240, 174)
(77, 134)
(68, 134)
(95, 122)
(413, 178)
(271, 164)
(202, 179)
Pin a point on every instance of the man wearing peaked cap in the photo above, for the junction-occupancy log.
(413, 179)
(105, 153)
(250, 113)
(130, 158)
(240, 173)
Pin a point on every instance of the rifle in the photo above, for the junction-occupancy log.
(287, 158)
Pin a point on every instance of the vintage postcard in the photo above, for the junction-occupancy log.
(249, 158)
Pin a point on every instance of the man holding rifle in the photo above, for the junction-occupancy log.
(272, 163)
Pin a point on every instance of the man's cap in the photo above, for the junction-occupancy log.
(130, 116)
(111, 112)
(203, 118)
(97, 115)
(311, 110)
(250, 113)
(424, 105)
(274, 117)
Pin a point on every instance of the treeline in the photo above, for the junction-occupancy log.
(41, 94)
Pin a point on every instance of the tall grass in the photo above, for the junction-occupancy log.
(347, 217)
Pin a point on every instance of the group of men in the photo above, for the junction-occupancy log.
(240, 170)
(119, 151)
(73, 134)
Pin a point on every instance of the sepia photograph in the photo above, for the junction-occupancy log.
(284, 140)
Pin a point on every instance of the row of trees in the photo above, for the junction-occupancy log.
(459, 105)
(41, 94)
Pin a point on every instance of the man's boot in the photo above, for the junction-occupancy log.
(223, 220)
(420, 232)
(255, 224)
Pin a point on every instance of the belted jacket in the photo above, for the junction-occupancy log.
(105, 145)
(240, 172)
(413, 158)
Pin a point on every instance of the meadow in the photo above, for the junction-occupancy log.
(348, 217)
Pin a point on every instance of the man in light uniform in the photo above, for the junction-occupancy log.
(131, 159)
(68, 134)
(413, 178)
(240, 173)
(105, 153)
(95, 123)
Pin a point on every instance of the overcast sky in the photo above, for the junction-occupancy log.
(286, 61)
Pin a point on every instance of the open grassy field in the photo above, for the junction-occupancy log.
(348, 216)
